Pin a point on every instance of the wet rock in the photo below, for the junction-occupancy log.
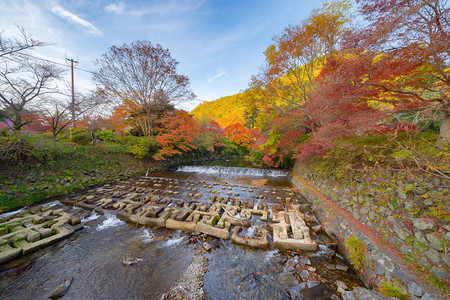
(414, 289)
(342, 287)
(312, 284)
(304, 275)
(342, 268)
(62, 289)
(316, 292)
(131, 261)
(206, 246)
(35, 209)
(95, 222)
(296, 290)
(317, 228)
(304, 261)
(360, 293)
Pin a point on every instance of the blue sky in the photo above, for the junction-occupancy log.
(218, 43)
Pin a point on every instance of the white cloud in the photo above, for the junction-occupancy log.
(218, 75)
(117, 8)
(75, 19)
(172, 7)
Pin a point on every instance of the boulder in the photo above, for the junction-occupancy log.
(61, 289)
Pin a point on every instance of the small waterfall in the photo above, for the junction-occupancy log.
(146, 236)
(111, 221)
(255, 206)
(176, 239)
(92, 217)
(232, 171)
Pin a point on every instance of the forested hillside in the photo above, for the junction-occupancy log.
(225, 111)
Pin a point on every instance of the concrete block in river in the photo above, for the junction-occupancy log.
(8, 253)
(256, 242)
(300, 240)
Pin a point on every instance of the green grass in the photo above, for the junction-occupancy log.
(54, 169)
(391, 290)
(356, 251)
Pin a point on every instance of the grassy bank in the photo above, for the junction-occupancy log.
(51, 169)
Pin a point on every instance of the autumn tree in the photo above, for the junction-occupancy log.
(398, 62)
(175, 134)
(296, 57)
(143, 77)
(239, 135)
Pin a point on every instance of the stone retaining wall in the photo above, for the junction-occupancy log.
(402, 250)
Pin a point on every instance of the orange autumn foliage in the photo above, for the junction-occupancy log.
(176, 133)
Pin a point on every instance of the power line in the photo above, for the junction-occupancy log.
(54, 62)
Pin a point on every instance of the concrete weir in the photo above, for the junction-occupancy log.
(35, 228)
(170, 203)
(216, 217)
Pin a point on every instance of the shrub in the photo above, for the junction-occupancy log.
(81, 139)
(141, 147)
(3, 132)
(395, 150)
(105, 135)
(256, 156)
(230, 148)
(356, 251)
(15, 147)
(48, 150)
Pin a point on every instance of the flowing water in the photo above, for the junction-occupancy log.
(94, 256)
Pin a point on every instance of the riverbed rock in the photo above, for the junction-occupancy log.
(304, 261)
(342, 287)
(61, 289)
(342, 268)
(304, 275)
(206, 246)
(360, 293)
(131, 261)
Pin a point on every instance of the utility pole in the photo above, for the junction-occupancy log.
(73, 90)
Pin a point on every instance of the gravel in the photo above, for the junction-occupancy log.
(190, 284)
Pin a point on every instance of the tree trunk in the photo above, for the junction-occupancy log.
(444, 135)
